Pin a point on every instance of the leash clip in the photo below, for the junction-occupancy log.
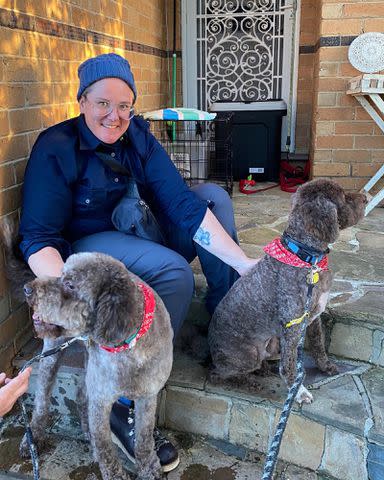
(66, 344)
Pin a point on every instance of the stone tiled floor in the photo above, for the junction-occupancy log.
(68, 457)
(345, 424)
(347, 413)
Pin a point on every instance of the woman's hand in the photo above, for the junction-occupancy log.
(12, 389)
(46, 262)
(212, 237)
(247, 264)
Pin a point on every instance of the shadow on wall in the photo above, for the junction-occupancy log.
(40, 52)
(39, 76)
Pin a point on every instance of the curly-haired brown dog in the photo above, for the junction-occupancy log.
(251, 320)
(98, 298)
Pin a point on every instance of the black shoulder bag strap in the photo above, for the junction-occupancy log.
(113, 164)
(116, 167)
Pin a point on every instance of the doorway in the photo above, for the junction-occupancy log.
(241, 51)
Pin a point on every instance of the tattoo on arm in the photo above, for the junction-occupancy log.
(202, 236)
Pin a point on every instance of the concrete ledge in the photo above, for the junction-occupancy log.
(356, 328)
(338, 420)
(344, 455)
(197, 412)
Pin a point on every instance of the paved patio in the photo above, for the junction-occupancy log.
(221, 432)
(341, 433)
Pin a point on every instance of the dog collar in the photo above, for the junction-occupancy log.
(277, 250)
(304, 252)
(149, 310)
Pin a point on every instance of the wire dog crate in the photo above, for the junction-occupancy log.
(201, 150)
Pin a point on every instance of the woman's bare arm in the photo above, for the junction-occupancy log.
(212, 236)
(46, 262)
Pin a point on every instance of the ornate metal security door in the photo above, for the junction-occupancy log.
(237, 50)
(241, 50)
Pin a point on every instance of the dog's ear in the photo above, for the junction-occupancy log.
(113, 315)
(352, 210)
(319, 217)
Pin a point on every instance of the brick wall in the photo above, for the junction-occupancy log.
(346, 143)
(41, 46)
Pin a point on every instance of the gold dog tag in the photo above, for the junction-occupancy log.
(313, 277)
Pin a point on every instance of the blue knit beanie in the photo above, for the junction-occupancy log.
(109, 65)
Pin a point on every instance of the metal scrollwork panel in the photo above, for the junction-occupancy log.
(240, 44)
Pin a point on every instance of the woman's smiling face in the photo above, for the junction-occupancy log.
(107, 108)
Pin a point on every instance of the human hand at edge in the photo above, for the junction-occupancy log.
(247, 265)
(12, 389)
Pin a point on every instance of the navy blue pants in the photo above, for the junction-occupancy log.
(166, 268)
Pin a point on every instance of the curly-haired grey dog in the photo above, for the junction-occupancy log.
(98, 298)
(254, 319)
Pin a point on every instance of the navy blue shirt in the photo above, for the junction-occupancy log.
(69, 192)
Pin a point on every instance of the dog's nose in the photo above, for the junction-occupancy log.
(28, 290)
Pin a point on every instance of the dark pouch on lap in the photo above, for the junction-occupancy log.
(133, 216)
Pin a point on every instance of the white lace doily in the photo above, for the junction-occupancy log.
(366, 52)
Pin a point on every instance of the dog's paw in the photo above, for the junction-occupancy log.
(330, 368)
(213, 376)
(303, 396)
(265, 369)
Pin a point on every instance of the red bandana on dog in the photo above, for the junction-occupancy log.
(277, 250)
(149, 310)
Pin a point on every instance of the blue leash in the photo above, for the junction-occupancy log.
(28, 430)
(274, 447)
(31, 444)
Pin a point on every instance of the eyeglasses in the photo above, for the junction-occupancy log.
(103, 108)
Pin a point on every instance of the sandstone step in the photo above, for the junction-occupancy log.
(354, 322)
(340, 435)
(70, 458)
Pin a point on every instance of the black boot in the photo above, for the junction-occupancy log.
(123, 435)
